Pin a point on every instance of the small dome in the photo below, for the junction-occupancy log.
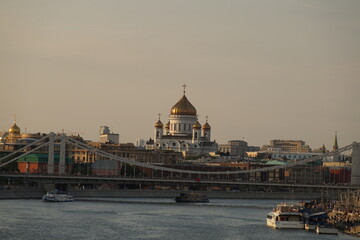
(159, 124)
(14, 129)
(206, 126)
(183, 107)
(197, 125)
(167, 126)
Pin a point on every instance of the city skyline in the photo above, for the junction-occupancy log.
(260, 70)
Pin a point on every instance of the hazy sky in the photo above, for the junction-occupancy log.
(260, 69)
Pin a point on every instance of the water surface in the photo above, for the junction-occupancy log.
(143, 219)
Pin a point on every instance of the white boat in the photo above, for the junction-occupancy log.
(285, 216)
(321, 229)
(57, 196)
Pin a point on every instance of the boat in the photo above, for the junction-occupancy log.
(326, 229)
(315, 219)
(57, 196)
(192, 197)
(285, 216)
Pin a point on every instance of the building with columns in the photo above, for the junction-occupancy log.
(183, 132)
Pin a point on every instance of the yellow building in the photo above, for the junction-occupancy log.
(287, 146)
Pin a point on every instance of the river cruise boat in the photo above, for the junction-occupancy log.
(57, 196)
(192, 197)
(285, 216)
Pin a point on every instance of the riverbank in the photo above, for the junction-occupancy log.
(105, 193)
(347, 220)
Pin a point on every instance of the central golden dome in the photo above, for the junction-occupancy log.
(183, 107)
(14, 129)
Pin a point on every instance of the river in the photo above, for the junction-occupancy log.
(155, 218)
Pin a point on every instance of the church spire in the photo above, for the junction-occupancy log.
(335, 147)
(323, 149)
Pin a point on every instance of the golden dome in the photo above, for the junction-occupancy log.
(206, 126)
(14, 129)
(183, 107)
(197, 125)
(159, 124)
(167, 126)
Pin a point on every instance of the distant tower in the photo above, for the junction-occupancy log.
(323, 149)
(104, 130)
(196, 135)
(167, 128)
(158, 130)
(105, 136)
(206, 130)
(335, 147)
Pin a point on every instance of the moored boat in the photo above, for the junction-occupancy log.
(285, 216)
(57, 196)
(315, 219)
(192, 197)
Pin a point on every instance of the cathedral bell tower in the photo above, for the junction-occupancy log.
(159, 126)
(206, 130)
(196, 136)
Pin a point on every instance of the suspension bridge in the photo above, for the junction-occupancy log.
(303, 175)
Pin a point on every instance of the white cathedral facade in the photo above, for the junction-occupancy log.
(183, 132)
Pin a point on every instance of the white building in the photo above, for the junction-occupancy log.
(183, 132)
(140, 143)
(106, 137)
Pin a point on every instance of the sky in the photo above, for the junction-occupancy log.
(259, 69)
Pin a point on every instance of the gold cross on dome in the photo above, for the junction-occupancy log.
(184, 86)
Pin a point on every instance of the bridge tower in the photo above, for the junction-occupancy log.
(62, 154)
(51, 153)
(355, 167)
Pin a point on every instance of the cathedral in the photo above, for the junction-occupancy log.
(183, 132)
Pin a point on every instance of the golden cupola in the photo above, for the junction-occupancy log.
(167, 126)
(183, 107)
(206, 126)
(159, 124)
(197, 125)
(14, 129)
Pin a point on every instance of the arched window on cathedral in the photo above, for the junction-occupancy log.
(196, 135)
